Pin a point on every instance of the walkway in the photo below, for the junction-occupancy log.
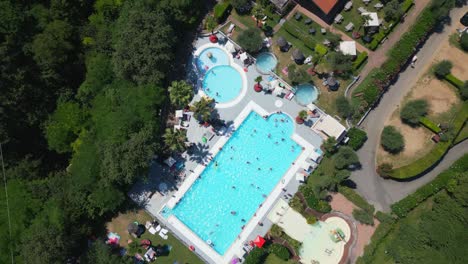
(377, 58)
(382, 193)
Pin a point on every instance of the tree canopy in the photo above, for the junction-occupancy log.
(251, 40)
(413, 110)
(392, 140)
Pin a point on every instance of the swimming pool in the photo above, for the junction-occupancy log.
(306, 93)
(266, 62)
(238, 180)
(218, 57)
(222, 83)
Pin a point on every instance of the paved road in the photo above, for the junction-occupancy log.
(382, 193)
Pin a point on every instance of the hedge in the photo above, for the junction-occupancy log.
(421, 165)
(403, 207)
(384, 218)
(355, 198)
(454, 80)
(363, 216)
(221, 9)
(379, 79)
(360, 59)
(406, 5)
(429, 124)
(280, 251)
(291, 29)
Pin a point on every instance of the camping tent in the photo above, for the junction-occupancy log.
(298, 56)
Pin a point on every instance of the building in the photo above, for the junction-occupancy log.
(348, 48)
(328, 126)
(281, 5)
(372, 23)
(325, 9)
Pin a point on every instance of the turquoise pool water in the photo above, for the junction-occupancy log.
(219, 57)
(222, 83)
(266, 62)
(239, 179)
(306, 93)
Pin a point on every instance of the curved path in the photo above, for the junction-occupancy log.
(382, 193)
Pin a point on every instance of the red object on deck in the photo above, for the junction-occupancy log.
(191, 248)
(213, 39)
(258, 87)
(259, 241)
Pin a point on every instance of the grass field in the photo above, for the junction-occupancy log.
(178, 253)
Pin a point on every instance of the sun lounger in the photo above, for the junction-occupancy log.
(163, 233)
(290, 96)
(231, 28)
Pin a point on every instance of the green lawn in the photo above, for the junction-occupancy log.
(318, 36)
(179, 252)
(463, 134)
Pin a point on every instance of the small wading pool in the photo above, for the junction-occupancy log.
(222, 83)
(306, 93)
(238, 180)
(218, 57)
(266, 62)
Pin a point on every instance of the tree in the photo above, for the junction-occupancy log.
(340, 63)
(329, 146)
(334, 40)
(180, 93)
(357, 138)
(464, 91)
(442, 68)
(297, 75)
(345, 157)
(343, 106)
(64, 126)
(242, 6)
(391, 140)
(413, 110)
(364, 19)
(203, 109)
(256, 256)
(280, 251)
(185, 12)
(175, 139)
(392, 11)
(210, 23)
(100, 253)
(144, 43)
(251, 40)
(257, 13)
(464, 41)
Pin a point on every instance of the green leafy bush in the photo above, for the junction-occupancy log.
(464, 91)
(280, 251)
(311, 219)
(357, 138)
(221, 9)
(250, 39)
(442, 68)
(391, 140)
(385, 170)
(343, 106)
(276, 231)
(256, 256)
(356, 199)
(419, 166)
(321, 49)
(406, 5)
(345, 157)
(454, 80)
(384, 218)
(413, 110)
(360, 59)
(429, 124)
(363, 216)
(323, 207)
(464, 41)
(402, 207)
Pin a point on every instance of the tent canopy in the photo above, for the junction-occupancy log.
(259, 241)
(281, 42)
(297, 55)
(132, 228)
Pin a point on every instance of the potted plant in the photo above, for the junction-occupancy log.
(258, 87)
(301, 116)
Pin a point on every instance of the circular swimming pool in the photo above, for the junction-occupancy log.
(223, 83)
(211, 57)
(266, 62)
(306, 93)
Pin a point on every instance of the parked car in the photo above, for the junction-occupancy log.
(464, 19)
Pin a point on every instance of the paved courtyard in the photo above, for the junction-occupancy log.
(167, 186)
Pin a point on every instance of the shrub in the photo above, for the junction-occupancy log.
(454, 80)
(464, 91)
(343, 106)
(256, 256)
(464, 41)
(356, 199)
(296, 204)
(429, 124)
(391, 140)
(385, 170)
(357, 138)
(321, 49)
(360, 59)
(242, 6)
(276, 231)
(402, 207)
(323, 207)
(406, 5)
(413, 110)
(329, 146)
(311, 220)
(280, 251)
(442, 68)
(363, 216)
(383, 217)
(345, 157)
(221, 10)
(250, 39)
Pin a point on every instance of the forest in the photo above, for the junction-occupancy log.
(83, 94)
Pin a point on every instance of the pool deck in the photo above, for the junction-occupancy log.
(233, 113)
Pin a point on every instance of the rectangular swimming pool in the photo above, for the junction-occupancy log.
(238, 180)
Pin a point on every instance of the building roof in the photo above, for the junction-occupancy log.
(348, 47)
(325, 5)
(279, 3)
(373, 19)
(330, 127)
